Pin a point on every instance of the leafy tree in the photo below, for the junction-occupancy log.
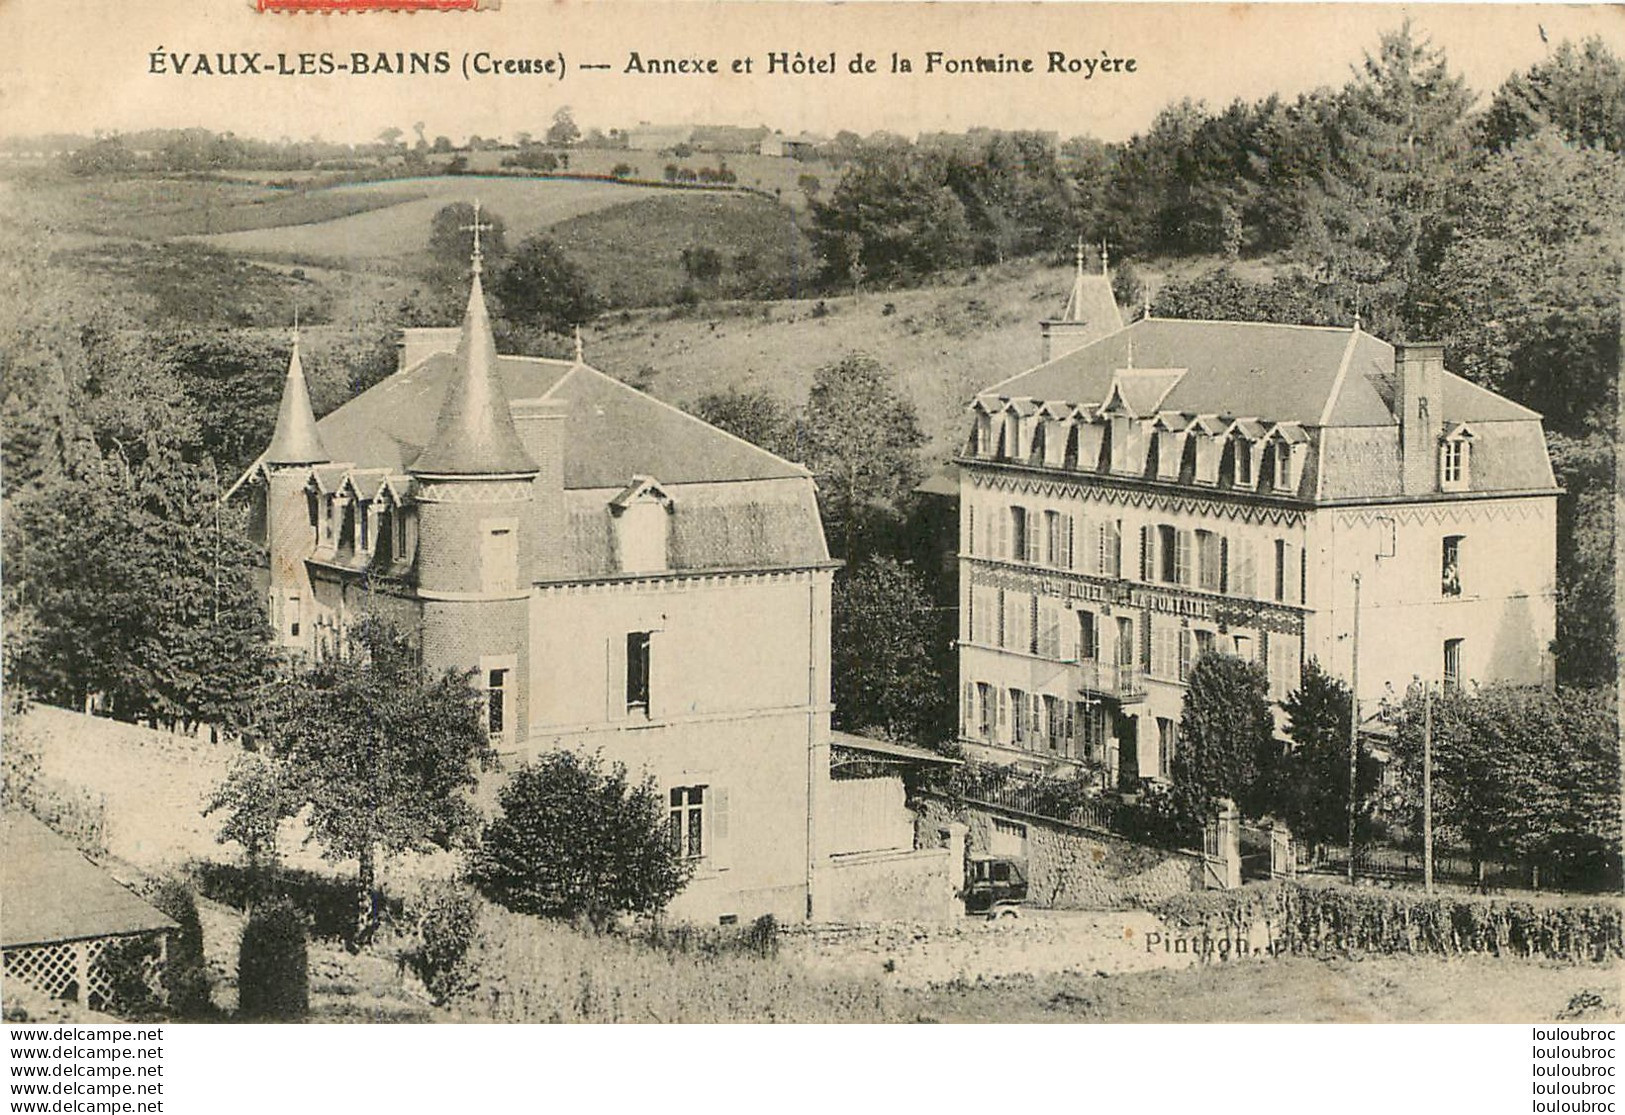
(863, 442)
(563, 131)
(756, 415)
(1309, 783)
(1226, 738)
(451, 242)
(1521, 773)
(1402, 129)
(1579, 91)
(539, 286)
(891, 218)
(380, 752)
(884, 661)
(139, 588)
(1223, 295)
(575, 839)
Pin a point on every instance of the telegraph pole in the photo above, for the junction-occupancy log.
(1354, 724)
(1427, 789)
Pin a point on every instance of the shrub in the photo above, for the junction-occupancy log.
(1323, 920)
(447, 916)
(124, 961)
(575, 839)
(186, 975)
(273, 965)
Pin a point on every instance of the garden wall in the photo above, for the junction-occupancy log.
(913, 886)
(1070, 867)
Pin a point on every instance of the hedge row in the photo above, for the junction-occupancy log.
(1318, 920)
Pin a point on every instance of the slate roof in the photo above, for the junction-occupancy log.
(475, 434)
(295, 441)
(1336, 386)
(1093, 302)
(612, 433)
(53, 893)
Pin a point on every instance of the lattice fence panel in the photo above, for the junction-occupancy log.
(54, 971)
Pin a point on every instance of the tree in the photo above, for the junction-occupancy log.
(563, 131)
(755, 415)
(451, 242)
(891, 218)
(139, 587)
(575, 839)
(1309, 785)
(702, 263)
(863, 441)
(379, 751)
(540, 287)
(1402, 129)
(1226, 738)
(1522, 773)
(1581, 92)
(884, 659)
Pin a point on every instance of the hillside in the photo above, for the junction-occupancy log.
(945, 342)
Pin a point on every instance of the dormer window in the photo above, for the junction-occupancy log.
(363, 526)
(1244, 463)
(1455, 459)
(642, 523)
(1283, 466)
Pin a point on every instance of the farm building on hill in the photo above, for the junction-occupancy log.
(623, 577)
(62, 913)
(1177, 488)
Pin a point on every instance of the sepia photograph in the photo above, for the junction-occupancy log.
(703, 512)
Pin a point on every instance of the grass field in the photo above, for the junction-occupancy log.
(400, 225)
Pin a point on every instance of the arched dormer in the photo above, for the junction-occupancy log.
(641, 517)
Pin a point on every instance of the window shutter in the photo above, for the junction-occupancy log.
(720, 845)
(1224, 564)
(1182, 557)
(970, 528)
(1034, 519)
(970, 706)
(615, 677)
(1071, 543)
(1004, 704)
(660, 689)
(1184, 653)
(1148, 553)
(1004, 534)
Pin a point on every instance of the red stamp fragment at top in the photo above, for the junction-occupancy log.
(375, 5)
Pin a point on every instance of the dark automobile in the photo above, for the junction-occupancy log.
(996, 887)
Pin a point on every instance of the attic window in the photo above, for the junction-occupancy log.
(1455, 457)
(1283, 465)
(1244, 462)
(642, 526)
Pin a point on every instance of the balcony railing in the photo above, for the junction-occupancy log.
(1123, 682)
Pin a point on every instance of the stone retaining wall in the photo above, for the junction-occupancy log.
(1072, 868)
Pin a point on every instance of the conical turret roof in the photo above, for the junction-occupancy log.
(296, 441)
(475, 435)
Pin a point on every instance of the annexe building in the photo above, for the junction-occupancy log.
(623, 577)
(1180, 487)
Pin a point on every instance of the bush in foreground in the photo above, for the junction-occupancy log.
(273, 965)
(447, 916)
(575, 839)
(186, 975)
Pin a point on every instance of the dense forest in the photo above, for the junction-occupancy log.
(1402, 197)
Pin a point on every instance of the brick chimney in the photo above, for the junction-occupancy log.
(1418, 387)
(540, 425)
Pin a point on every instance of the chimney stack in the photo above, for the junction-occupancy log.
(540, 425)
(1418, 387)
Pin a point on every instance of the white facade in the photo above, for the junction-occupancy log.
(1116, 523)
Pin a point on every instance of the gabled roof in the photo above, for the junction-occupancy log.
(474, 434)
(53, 893)
(612, 431)
(295, 441)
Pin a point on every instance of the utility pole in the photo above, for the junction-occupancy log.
(1427, 789)
(1354, 725)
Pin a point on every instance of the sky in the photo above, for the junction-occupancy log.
(87, 65)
